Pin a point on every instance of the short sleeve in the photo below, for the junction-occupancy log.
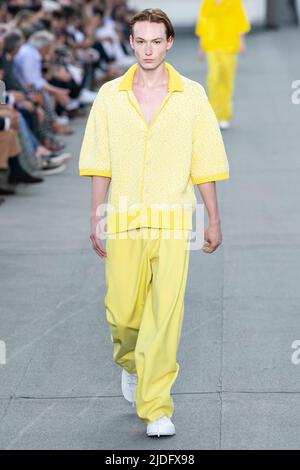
(199, 24)
(209, 159)
(243, 25)
(94, 157)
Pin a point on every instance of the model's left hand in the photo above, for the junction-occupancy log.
(213, 237)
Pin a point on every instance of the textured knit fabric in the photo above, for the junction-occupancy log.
(153, 167)
(220, 25)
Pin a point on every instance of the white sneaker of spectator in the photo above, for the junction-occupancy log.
(58, 159)
(76, 72)
(63, 120)
(87, 96)
(74, 104)
(99, 73)
(50, 171)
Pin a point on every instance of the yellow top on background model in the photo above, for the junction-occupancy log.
(220, 25)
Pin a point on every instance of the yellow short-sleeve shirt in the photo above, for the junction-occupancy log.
(153, 167)
(220, 25)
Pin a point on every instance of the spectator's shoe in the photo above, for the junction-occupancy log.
(54, 160)
(129, 384)
(58, 159)
(224, 125)
(161, 427)
(272, 26)
(17, 174)
(5, 187)
(63, 120)
(73, 104)
(87, 96)
(99, 74)
(27, 179)
(48, 165)
(51, 171)
(7, 190)
(74, 113)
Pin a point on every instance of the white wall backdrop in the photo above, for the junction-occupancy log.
(185, 12)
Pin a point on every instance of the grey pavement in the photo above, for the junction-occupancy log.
(237, 387)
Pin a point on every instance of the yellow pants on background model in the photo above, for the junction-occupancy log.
(146, 279)
(221, 82)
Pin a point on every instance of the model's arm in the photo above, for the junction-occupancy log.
(200, 52)
(212, 234)
(100, 185)
(243, 46)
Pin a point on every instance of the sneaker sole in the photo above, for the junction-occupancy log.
(60, 158)
(160, 433)
(52, 171)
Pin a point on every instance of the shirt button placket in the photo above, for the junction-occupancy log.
(146, 167)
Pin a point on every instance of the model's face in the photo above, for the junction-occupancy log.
(150, 44)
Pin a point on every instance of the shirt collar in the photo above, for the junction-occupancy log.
(175, 81)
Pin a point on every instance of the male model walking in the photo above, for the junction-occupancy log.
(221, 27)
(151, 135)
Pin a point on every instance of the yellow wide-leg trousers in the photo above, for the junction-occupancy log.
(146, 275)
(221, 82)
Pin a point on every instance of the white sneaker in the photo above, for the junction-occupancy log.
(87, 96)
(60, 158)
(63, 120)
(50, 171)
(161, 427)
(224, 125)
(73, 104)
(99, 73)
(129, 384)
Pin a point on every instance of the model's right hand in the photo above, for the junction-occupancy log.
(97, 242)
